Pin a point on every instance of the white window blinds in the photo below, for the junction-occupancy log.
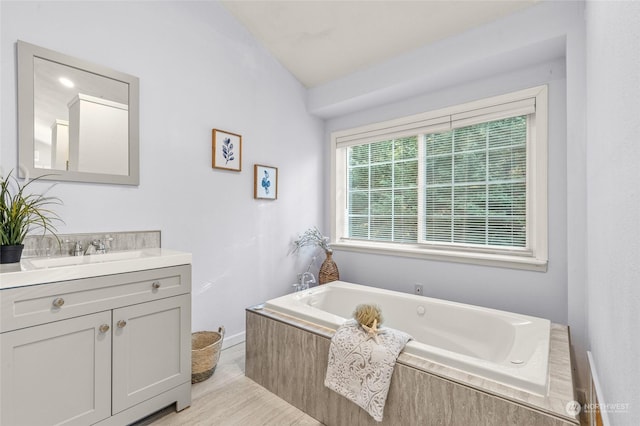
(461, 186)
(475, 184)
(383, 190)
(465, 183)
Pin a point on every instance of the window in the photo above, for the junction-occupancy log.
(465, 184)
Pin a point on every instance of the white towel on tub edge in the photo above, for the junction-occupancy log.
(360, 369)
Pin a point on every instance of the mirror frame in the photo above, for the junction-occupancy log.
(26, 54)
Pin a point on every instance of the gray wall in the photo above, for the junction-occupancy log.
(613, 179)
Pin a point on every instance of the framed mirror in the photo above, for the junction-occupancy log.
(77, 121)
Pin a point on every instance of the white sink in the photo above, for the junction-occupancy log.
(55, 262)
(42, 270)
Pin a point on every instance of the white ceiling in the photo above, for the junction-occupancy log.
(319, 41)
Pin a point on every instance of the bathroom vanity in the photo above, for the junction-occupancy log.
(102, 340)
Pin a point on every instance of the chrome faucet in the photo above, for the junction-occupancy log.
(306, 279)
(303, 281)
(77, 249)
(95, 246)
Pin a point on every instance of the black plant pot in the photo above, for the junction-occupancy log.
(11, 254)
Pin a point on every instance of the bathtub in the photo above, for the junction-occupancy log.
(505, 347)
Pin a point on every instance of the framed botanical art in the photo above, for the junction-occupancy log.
(265, 182)
(227, 150)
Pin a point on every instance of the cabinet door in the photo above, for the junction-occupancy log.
(151, 349)
(57, 373)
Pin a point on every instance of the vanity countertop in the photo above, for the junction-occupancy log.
(40, 270)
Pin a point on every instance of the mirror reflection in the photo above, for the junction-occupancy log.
(77, 120)
(80, 120)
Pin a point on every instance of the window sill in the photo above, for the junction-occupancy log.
(528, 263)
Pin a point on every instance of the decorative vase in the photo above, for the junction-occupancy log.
(11, 254)
(329, 270)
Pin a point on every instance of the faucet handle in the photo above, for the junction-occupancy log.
(97, 244)
(77, 249)
(107, 240)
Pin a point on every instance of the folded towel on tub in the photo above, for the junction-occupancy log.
(360, 368)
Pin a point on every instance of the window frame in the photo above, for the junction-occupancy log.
(533, 257)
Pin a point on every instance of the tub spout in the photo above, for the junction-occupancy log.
(306, 279)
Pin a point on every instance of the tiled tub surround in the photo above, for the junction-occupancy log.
(40, 246)
(288, 356)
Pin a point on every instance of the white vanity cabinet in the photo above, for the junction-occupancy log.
(105, 350)
(57, 373)
(152, 352)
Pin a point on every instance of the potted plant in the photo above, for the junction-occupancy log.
(21, 213)
(313, 237)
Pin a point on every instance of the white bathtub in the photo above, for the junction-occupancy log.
(502, 346)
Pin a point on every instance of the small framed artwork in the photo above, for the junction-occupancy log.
(227, 150)
(265, 182)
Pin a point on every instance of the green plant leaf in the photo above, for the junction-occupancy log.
(22, 213)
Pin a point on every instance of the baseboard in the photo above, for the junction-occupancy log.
(596, 416)
(233, 340)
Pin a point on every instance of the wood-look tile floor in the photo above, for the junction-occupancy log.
(229, 398)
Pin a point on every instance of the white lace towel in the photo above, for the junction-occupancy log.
(360, 369)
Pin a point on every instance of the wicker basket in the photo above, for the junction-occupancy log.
(329, 270)
(205, 353)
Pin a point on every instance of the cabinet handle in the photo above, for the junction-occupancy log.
(58, 302)
(104, 328)
(156, 285)
(121, 323)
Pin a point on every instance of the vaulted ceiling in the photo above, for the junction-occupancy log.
(319, 41)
